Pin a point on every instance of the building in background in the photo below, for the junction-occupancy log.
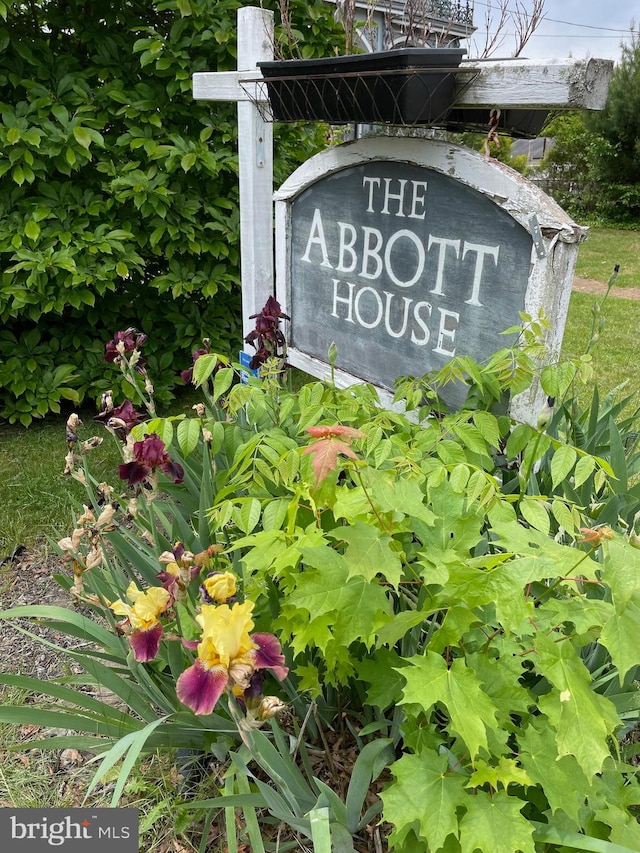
(385, 24)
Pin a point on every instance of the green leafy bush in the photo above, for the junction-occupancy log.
(465, 639)
(118, 192)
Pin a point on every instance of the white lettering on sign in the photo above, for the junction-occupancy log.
(416, 196)
(365, 307)
(410, 258)
(481, 251)
(447, 331)
(316, 237)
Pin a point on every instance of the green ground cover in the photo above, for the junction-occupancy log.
(615, 353)
(37, 499)
(606, 247)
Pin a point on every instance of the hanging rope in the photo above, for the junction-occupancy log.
(492, 136)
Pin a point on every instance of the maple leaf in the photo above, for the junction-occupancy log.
(327, 447)
(495, 823)
(430, 680)
(432, 814)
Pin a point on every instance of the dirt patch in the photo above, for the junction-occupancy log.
(590, 285)
(27, 579)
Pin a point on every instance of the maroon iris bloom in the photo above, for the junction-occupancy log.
(151, 451)
(121, 419)
(266, 338)
(149, 455)
(269, 655)
(124, 343)
(145, 644)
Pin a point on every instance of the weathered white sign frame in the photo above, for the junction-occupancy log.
(555, 236)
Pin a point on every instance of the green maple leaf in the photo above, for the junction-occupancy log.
(458, 688)
(500, 677)
(624, 826)
(424, 797)
(564, 784)
(369, 552)
(545, 558)
(306, 633)
(585, 614)
(583, 719)
(351, 503)
(494, 824)
(455, 624)
(392, 494)
(455, 526)
(382, 672)
(358, 608)
(502, 585)
(504, 773)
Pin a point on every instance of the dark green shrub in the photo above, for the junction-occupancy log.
(118, 191)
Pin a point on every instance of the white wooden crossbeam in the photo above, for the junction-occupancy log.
(513, 84)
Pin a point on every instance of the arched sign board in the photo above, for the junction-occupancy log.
(406, 252)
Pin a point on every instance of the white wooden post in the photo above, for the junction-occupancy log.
(255, 157)
(255, 160)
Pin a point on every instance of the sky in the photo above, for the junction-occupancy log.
(576, 28)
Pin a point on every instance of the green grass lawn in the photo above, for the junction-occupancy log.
(606, 247)
(615, 355)
(37, 499)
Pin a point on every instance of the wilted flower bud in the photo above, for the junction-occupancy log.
(106, 517)
(105, 491)
(69, 461)
(78, 475)
(94, 558)
(91, 443)
(73, 421)
(240, 674)
(270, 707)
(199, 409)
(167, 557)
(106, 401)
(87, 517)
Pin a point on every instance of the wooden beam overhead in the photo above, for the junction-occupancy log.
(558, 84)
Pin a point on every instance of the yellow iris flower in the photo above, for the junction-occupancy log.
(146, 606)
(225, 633)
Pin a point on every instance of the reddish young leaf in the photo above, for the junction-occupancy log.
(324, 431)
(325, 450)
(325, 455)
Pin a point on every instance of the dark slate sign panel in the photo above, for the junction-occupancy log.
(402, 267)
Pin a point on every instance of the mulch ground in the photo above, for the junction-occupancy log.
(27, 579)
